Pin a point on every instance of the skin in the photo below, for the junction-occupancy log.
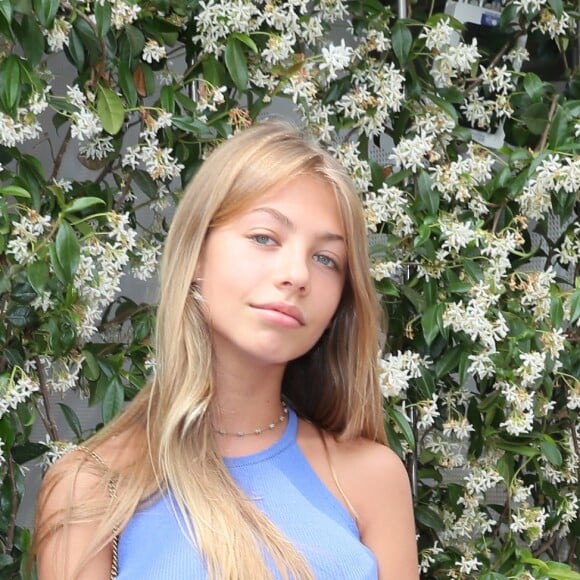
(271, 281)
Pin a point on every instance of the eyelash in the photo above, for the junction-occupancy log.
(326, 261)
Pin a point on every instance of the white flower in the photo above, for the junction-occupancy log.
(411, 152)
(439, 36)
(336, 59)
(57, 37)
(153, 52)
(468, 565)
(123, 13)
(98, 147)
(15, 391)
(529, 6)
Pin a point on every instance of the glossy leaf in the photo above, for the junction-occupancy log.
(236, 63)
(110, 110)
(67, 250)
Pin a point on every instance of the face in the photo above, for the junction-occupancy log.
(272, 277)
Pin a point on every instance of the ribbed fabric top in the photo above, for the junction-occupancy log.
(153, 545)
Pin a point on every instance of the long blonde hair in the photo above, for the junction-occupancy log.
(334, 385)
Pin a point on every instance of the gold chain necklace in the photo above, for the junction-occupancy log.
(258, 430)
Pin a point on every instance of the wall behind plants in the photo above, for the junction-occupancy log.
(480, 370)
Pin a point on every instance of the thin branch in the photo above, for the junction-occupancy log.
(14, 498)
(542, 144)
(49, 422)
(60, 154)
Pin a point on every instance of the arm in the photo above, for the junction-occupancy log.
(61, 550)
(381, 495)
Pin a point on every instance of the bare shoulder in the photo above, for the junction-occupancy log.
(376, 482)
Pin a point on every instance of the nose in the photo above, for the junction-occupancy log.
(293, 270)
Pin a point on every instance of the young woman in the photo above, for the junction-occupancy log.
(258, 449)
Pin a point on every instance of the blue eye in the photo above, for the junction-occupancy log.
(326, 261)
(262, 239)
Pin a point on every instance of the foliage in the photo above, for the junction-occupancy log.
(480, 371)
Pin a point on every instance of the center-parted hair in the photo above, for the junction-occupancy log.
(334, 385)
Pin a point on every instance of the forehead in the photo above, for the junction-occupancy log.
(301, 194)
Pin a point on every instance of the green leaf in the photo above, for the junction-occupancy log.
(15, 191)
(550, 451)
(431, 322)
(75, 49)
(103, 12)
(110, 110)
(534, 86)
(38, 275)
(82, 203)
(448, 362)
(21, 316)
(31, 39)
(401, 40)
(112, 400)
(557, 7)
(68, 251)
(556, 311)
(559, 128)
(45, 11)
(429, 518)
(536, 118)
(246, 40)
(575, 305)
(27, 451)
(127, 84)
(6, 10)
(10, 85)
(135, 38)
(403, 425)
(427, 192)
(236, 63)
(72, 420)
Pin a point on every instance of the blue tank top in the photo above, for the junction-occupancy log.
(154, 546)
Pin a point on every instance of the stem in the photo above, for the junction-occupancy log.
(49, 422)
(60, 154)
(14, 498)
(542, 144)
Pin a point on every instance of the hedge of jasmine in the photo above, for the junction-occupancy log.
(467, 160)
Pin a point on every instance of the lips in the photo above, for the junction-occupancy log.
(286, 309)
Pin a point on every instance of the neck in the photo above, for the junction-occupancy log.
(246, 403)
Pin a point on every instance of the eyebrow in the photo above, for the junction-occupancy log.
(288, 223)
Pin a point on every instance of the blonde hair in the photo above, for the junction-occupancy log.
(334, 385)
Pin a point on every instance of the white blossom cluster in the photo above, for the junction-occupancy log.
(477, 319)
(14, 391)
(381, 269)
(85, 124)
(358, 168)
(56, 449)
(552, 25)
(389, 205)
(157, 160)
(377, 91)
(457, 235)
(57, 37)
(553, 175)
(25, 125)
(62, 373)
(497, 249)
(569, 250)
(535, 292)
(26, 235)
(458, 180)
(102, 264)
(122, 13)
(397, 370)
(568, 472)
